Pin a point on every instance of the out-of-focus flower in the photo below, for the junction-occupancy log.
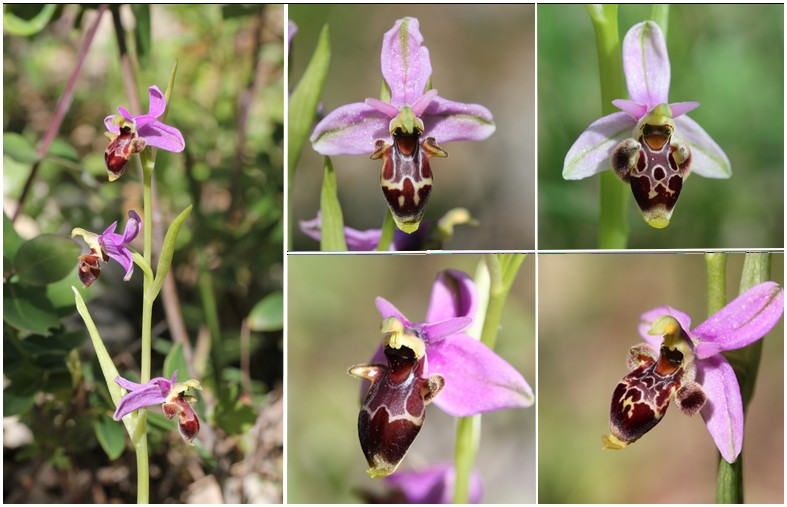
(419, 362)
(170, 394)
(426, 237)
(108, 245)
(651, 145)
(131, 134)
(405, 130)
(686, 365)
(434, 484)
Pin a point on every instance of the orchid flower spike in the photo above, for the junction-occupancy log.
(421, 362)
(132, 134)
(105, 246)
(405, 130)
(684, 364)
(651, 144)
(172, 396)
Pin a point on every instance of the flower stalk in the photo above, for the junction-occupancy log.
(613, 224)
(502, 270)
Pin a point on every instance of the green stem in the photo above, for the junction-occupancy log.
(143, 467)
(715, 264)
(468, 431)
(502, 269)
(387, 232)
(613, 225)
(660, 14)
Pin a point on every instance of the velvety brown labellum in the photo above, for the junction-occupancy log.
(406, 177)
(188, 422)
(120, 150)
(89, 268)
(641, 399)
(394, 408)
(655, 169)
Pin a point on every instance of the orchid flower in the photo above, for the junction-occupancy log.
(421, 362)
(131, 134)
(686, 365)
(172, 396)
(651, 144)
(108, 245)
(405, 130)
(426, 237)
(434, 484)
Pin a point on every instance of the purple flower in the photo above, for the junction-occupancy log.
(685, 364)
(292, 29)
(405, 130)
(420, 362)
(651, 145)
(170, 394)
(434, 484)
(131, 134)
(425, 238)
(108, 245)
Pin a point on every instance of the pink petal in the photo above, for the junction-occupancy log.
(590, 153)
(433, 332)
(387, 309)
(350, 130)
(453, 295)
(363, 241)
(110, 125)
(681, 108)
(157, 102)
(133, 225)
(384, 107)
(634, 109)
(723, 412)
(646, 64)
(476, 379)
(647, 318)
(743, 321)
(447, 121)
(162, 136)
(707, 158)
(433, 485)
(421, 104)
(405, 62)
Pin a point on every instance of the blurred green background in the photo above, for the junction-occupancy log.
(333, 324)
(730, 59)
(481, 54)
(589, 308)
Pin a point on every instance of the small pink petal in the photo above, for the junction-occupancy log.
(681, 108)
(110, 125)
(634, 109)
(646, 322)
(422, 103)
(453, 295)
(384, 107)
(387, 309)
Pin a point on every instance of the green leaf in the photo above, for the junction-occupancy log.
(15, 404)
(304, 100)
(28, 309)
(175, 360)
(332, 219)
(168, 250)
(15, 25)
(268, 314)
(142, 32)
(237, 10)
(45, 259)
(11, 240)
(110, 435)
(62, 149)
(19, 148)
(232, 415)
